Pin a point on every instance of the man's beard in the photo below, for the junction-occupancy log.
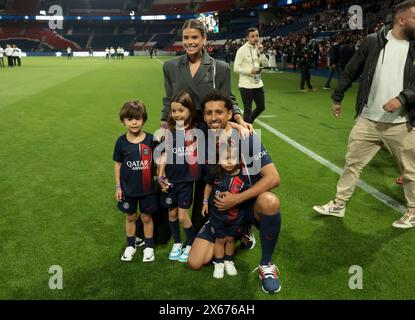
(409, 33)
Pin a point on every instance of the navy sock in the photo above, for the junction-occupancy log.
(131, 241)
(190, 235)
(218, 260)
(228, 258)
(269, 230)
(175, 231)
(149, 242)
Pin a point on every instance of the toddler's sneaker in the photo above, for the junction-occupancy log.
(230, 268)
(219, 270)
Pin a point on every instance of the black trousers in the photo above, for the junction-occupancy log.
(249, 95)
(333, 71)
(305, 78)
(10, 61)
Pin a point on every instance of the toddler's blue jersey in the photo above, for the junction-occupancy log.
(137, 171)
(234, 184)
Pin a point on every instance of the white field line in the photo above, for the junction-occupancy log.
(363, 185)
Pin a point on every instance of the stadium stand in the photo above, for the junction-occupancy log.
(314, 18)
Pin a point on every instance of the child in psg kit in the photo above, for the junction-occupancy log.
(134, 173)
(178, 172)
(225, 225)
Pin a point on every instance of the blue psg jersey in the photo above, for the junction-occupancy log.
(223, 182)
(137, 171)
(182, 160)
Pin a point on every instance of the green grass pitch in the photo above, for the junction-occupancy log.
(59, 122)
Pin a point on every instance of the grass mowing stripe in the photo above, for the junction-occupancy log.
(363, 185)
(39, 79)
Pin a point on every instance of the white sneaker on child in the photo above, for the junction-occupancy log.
(148, 255)
(218, 272)
(176, 251)
(230, 268)
(128, 253)
(185, 254)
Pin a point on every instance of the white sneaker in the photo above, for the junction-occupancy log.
(331, 209)
(219, 269)
(230, 268)
(406, 221)
(148, 255)
(176, 251)
(185, 254)
(128, 254)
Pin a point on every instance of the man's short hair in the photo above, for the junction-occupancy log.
(251, 29)
(216, 95)
(403, 6)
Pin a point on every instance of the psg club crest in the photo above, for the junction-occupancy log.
(146, 151)
(236, 187)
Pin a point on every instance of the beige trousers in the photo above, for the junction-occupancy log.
(365, 140)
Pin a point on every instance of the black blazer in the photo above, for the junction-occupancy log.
(211, 72)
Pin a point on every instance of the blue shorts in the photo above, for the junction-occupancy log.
(212, 230)
(180, 195)
(147, 204)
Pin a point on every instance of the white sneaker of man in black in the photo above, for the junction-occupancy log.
(406, 221)
(331, 209)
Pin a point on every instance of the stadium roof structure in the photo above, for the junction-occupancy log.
(139, 7)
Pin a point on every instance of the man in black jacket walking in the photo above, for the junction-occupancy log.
(385, 109)
(333, 63)
(305, 65)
